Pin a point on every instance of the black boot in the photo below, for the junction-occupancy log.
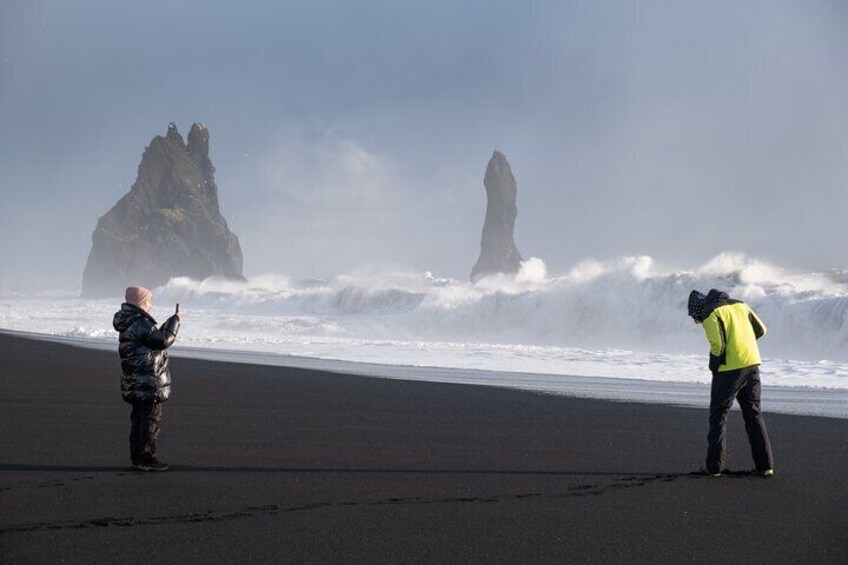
(151, 464)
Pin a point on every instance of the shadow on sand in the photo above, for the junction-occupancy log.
(12, 467)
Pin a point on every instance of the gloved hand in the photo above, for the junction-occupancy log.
(715, 362)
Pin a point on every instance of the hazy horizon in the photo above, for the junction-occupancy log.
(347, 135)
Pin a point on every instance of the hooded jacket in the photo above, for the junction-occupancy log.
(732, 328)
(142, 349)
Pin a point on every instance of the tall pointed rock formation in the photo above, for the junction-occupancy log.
(498, 253)
(169, 224)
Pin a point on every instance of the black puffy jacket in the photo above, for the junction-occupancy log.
(143, 359)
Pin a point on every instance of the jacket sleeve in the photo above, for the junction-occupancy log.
(714, 335)
(758, 325)
(161, 338)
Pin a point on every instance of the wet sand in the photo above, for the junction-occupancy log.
(278, 465)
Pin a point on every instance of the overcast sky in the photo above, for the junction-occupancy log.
(351, 134)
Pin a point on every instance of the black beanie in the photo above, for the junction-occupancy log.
(696, 304)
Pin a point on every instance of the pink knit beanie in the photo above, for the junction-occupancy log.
(137, 295)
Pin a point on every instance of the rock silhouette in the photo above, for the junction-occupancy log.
(169, 224)
(498, 253)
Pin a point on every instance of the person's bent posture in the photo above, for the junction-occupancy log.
(146, 381)
(732, 329)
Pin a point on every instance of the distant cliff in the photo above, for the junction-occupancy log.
(169, 224)
(498, 253)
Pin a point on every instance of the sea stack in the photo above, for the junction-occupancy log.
(169, 224)
(498, 253)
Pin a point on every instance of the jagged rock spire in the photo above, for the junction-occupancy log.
(168, 225)
(498, 253)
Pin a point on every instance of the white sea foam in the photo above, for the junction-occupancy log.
(626, 303)
(624, 318)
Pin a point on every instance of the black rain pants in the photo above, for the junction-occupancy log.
(744, 386)
(144, 432)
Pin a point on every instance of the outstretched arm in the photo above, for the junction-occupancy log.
(164, 337)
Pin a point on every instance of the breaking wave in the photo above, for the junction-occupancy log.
(626, 303)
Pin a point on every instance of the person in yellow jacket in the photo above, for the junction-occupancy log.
(732, 329)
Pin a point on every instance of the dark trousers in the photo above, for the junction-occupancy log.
(744, 386)
(145, 430)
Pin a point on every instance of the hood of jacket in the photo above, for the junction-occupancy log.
(700, 305)
(715, 299)
(128, 315)
(715, 295)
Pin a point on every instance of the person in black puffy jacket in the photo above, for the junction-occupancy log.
(146, 381)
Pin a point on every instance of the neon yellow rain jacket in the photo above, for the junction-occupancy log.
(733, 329)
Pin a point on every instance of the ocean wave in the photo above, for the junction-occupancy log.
(626, 303)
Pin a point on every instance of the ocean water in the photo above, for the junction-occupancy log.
(618, 327)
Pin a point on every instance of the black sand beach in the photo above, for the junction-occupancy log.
(276, 465)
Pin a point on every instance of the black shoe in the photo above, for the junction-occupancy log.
(149, 465)
(705, 471)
